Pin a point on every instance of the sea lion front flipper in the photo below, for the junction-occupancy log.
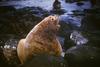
(20, 50)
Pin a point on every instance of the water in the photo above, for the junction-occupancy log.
(45, 4)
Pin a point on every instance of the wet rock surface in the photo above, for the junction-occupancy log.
(8, 44)
(46, 61)
(4, 9)
(74, 38)
(20, 21)
(91, 25)
(83, 56)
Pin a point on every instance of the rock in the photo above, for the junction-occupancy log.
(78, 38)
(45, 61)
(64, 28)
(91, 27)
(79, 3)
(57, 8)
(69, 23)
(93, 2)
(83, 56)
(8, 44)
(73, 21)
(69, 1)
(4, 9)
(82, 38)
(21, 20)
(93, 38)
(56, 5)
(78, 12)
(74, 38)
(68, 43)
(35, 11)
(10, 52)
(98, 3)
(91, 21)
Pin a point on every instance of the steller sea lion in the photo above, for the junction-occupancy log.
(41, 40)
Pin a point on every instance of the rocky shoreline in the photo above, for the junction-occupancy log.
(81, 48)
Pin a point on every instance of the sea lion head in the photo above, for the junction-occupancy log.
(53, 23)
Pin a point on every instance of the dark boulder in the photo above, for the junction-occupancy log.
(69, 1)
(91, 22)
(68, 43)
(56, 5)
(8, 45)
(93, 38)
(83, 56)
(19, 22)
(74, 38)
(4, 9)
(45, 61)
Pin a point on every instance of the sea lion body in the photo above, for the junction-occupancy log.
(40, 40)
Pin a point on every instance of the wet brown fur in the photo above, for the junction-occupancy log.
(41, 40)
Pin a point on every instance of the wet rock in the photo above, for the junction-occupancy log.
(8, 44)
(57, 8)
(93, 38)
(4, 9)
(79, 3)
(69, 23)
(19, 22)
(98, 3)
(10, 25)
(6, 37)
(10, 51)
(45, 61)
(78, 38)
(68, 43)
(56, 5)
(69, 1)
(91, 21)
(36, 11)
(91, 26)
(93, 11)
(82, 38)
(95, 3)
(74, 21)
(83, 56)
(58, 12)
(78, 13)
(72, 1)
(74, 38)
(64, 27)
